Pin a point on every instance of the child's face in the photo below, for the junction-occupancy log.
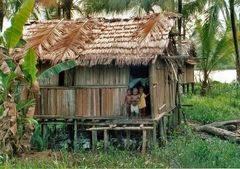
(141, 91)
(129, 92)
(135, 91)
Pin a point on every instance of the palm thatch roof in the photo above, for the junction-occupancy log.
(100, 41)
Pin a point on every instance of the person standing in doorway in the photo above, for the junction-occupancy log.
(142, 102)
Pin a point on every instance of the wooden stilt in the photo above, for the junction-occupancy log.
(161, 132)
(192, 88)
(183, 86)
(44, 135)
(94, 139)
(144, 141)
(188, 88)
(154, 136)
(128, 136)
(75, 136)
(106, 139)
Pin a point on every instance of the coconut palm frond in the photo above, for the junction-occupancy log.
(193, 6)
(72, 44)
(45, 39)
(158, 26)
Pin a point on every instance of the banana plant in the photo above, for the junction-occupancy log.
(15, 105)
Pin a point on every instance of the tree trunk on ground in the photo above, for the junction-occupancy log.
(225, 134)
(235, 37)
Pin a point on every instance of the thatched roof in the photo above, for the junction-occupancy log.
(100, 41)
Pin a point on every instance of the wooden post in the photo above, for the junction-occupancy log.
(144, 144)
(106, 138)
(161, 131)
(128, 135)
(75, 136)
(188, 88)
(193, 88)
(154, 139)
(183, 86)
(44, 135)
(94, 139)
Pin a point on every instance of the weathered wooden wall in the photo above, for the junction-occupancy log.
(97, 91)
(52, 81)
(162, 86)
(102, 91)
(188, 74)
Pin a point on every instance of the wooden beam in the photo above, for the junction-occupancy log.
(119, 128)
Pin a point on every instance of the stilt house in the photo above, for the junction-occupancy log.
(111, 53)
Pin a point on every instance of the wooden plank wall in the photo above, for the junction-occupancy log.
(52, 81)
(163, 84)
(189, 73)
(57, 102)
(101, 90)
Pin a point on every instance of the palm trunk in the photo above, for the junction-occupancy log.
(1, 14)
(180, 19)
(67, 8)
(235, 38)
(205, 84)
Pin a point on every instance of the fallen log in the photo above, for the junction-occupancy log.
(224, 123)
(222, 133)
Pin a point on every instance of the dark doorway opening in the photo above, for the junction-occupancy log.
(139, 77)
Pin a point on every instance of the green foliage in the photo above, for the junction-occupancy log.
(221, 104)
(23, 104)
(29, 66)
(191, 151)
(23, 120)
(57, 69)
(13, 34)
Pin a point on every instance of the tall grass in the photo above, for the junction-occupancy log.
(223, 103)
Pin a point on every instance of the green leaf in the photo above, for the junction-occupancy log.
(55, 70)
(13, 34)
(23, 120)
(29, 65)
(25, 104)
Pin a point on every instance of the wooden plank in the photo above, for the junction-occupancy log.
(120, 128)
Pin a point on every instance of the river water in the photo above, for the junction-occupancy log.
(224, 76)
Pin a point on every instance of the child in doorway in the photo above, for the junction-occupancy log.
(142, 102)
(134, 102)
(128, 101)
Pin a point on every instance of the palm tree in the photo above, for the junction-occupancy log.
(214, 46)
(119, 6)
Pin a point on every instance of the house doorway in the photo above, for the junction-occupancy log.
(139, 78)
